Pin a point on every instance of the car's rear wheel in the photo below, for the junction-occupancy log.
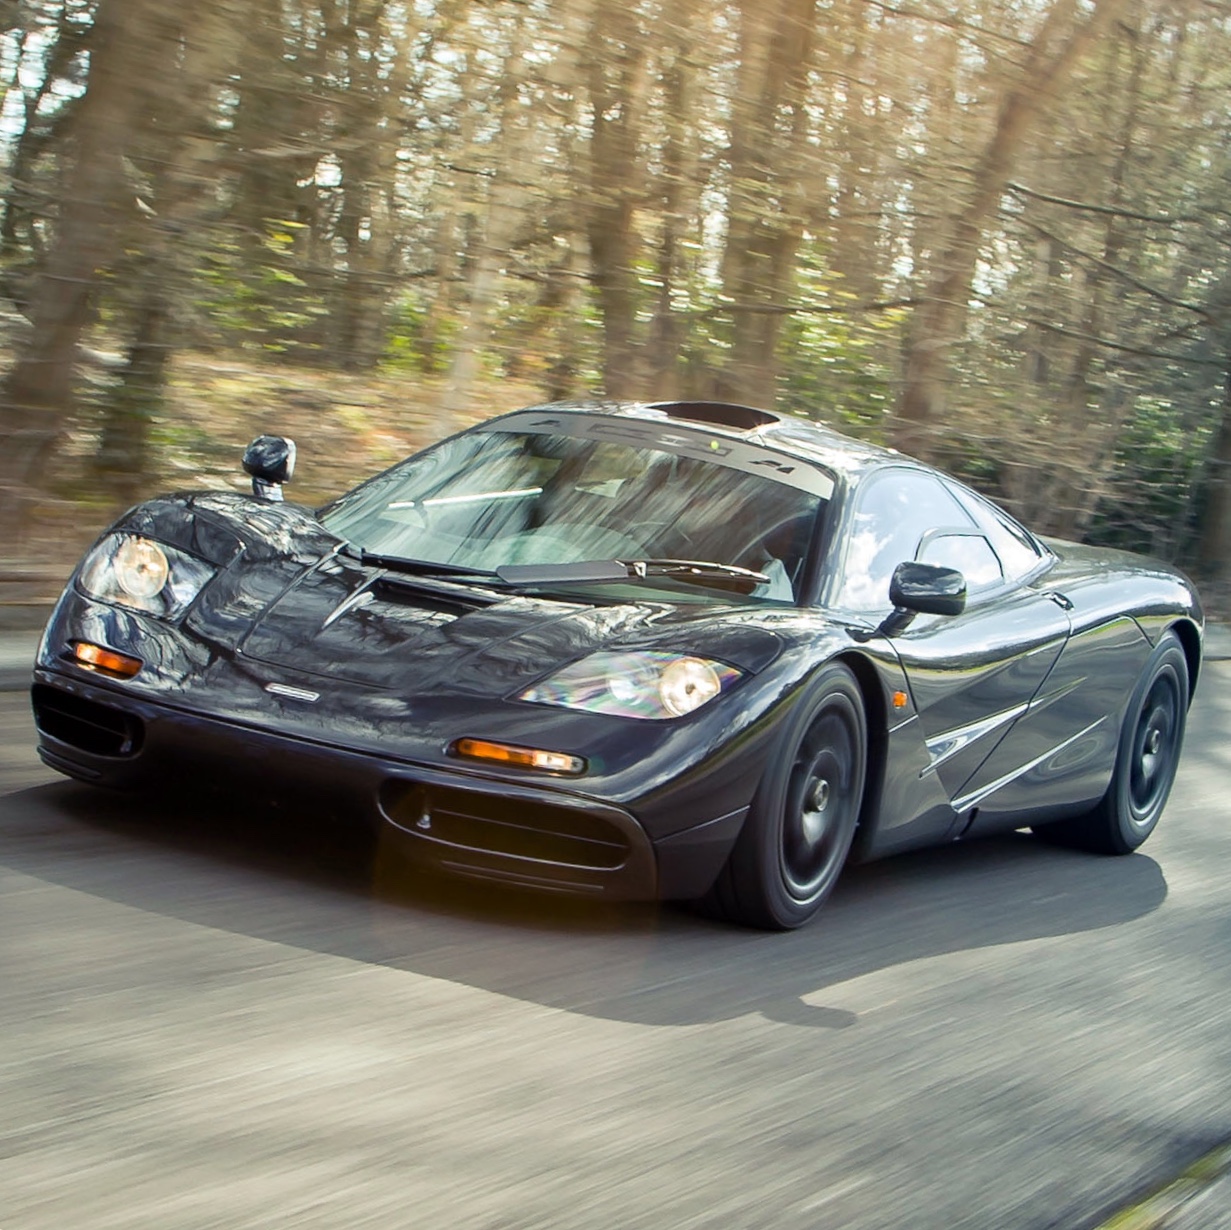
(799, 830)
(1146, 759)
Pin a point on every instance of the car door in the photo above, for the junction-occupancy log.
(971, 676)
(1060, 753)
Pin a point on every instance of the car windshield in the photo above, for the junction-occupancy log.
(489, 499)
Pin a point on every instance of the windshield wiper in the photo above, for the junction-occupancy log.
(690, 570)
(425, 568)
(686, 568)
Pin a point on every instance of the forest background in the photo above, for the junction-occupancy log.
(992, 233)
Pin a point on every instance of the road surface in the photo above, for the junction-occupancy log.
(213, 1018)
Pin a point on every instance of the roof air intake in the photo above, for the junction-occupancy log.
(717, 413)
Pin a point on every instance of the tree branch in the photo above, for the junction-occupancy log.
(1088, 207)
(948, 21)
(1197, 309)
(787, 309)
(1051, 327)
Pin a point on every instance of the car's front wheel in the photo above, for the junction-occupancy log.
(803, 818)
(1146, 759)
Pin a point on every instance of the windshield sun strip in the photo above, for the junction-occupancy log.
(468, 498)
(681, 439)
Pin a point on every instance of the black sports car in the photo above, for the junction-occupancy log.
(678, 650)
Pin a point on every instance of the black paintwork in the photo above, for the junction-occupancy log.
(1006, 713)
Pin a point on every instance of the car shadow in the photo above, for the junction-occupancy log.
(302, 878)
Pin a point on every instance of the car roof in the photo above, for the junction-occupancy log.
(797, 437)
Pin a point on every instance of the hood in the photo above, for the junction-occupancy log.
(345, 621)
(285, 595)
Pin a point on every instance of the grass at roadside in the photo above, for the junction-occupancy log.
(1164, 1206)
(345, 426)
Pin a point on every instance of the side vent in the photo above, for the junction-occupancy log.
(469, 822)
(718, 413)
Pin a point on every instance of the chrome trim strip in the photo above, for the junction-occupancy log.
(976, 797)
(1042, 700)
(945, 747)
(284, 689)
(361, 597)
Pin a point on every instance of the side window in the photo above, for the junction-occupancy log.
(1018, 552)
(893, 511)
(971, 554)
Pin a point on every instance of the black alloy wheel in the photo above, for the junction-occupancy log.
(803, 818)
(1147, 756)
(1155, 750)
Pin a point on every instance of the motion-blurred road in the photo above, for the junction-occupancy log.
(212, 1019)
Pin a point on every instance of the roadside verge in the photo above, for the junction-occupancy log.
(1199, 1198)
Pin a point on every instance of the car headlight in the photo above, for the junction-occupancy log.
(646, 683)
(145, 575)
(141, 568)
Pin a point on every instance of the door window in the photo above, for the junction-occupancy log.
(970, 553)
(893, 511)
(1018, 551)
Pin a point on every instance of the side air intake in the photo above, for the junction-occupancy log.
(85, 724)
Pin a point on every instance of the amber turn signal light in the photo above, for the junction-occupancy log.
(519, 757)
(107, 660)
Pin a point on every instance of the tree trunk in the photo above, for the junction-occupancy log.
(367, 141)
(499, 227)
(617, 78)
(765, 205)
(1214, 545)
(183, 152)
(678, 192)
(842, 214)
(273, 150)
(36, 395)
(566, 277)
(122, 458)
(21, 204)
(940, 322)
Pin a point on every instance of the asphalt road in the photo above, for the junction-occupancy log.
(211, 1018)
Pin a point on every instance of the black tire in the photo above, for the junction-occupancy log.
(795, 840)
(1147, 756)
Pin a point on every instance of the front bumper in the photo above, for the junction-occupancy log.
(475, 823)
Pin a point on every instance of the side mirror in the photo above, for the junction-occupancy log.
(271, 462)
(926, 589)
